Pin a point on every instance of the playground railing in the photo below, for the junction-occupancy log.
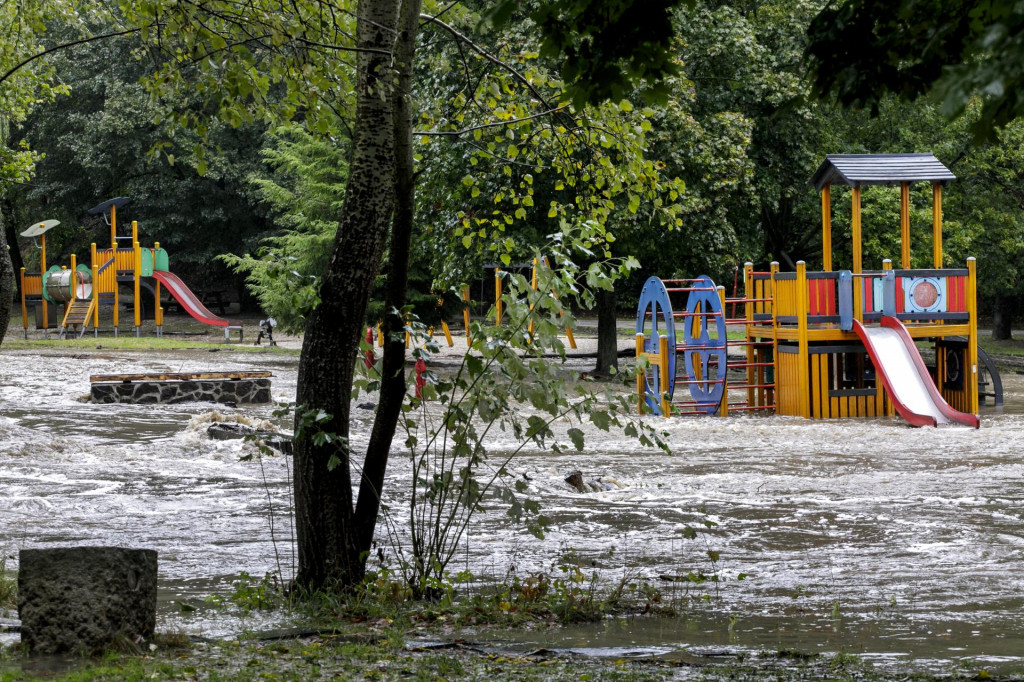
(924, 295)
(758, 299)
(33, 285)
(821, 305)
(124, 260)
(106, 271)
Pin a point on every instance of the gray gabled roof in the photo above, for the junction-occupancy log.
(880, 169)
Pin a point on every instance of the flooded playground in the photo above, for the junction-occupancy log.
(861, 536)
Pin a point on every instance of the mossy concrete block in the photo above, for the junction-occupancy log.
(86, 599)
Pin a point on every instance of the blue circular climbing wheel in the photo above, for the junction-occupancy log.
(654, 318)
(704, 349)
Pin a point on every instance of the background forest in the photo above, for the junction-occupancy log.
(711, 174)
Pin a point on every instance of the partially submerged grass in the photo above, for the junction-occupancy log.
(339, 657)
(379, 634)
(348, 656)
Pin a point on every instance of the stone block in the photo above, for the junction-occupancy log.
(236, 391)
(86, 599)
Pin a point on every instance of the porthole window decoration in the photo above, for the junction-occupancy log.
(924, 295)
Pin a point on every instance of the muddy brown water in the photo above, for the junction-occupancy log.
(868, 537)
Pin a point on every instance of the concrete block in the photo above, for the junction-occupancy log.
(86, 599)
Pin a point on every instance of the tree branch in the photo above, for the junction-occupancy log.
(64, 46)
(426, 18)
(498, 124)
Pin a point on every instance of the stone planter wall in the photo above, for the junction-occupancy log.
(238, 391)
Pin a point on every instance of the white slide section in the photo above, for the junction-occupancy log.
(905, 376)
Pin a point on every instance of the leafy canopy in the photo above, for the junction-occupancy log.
(24, 83)
(954, 49)
(605, 48)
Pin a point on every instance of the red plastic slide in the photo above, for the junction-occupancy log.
(906, 377)
(188, 300)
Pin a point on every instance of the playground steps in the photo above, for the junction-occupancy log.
(78, 315)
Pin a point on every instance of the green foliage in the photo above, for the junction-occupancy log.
(502, 159)
(504, 383)
(562, 594)
(295, 67)
(249, 594)
(23, 88)
(749, 138)
(96, 144)
(862, 50)
(252, 594)
(987, 201)
(605, 48)
(982, 208)
(305, 192)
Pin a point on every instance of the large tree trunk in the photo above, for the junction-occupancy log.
(607, 333)
(11, 233)
(392, 387)
(327, 534)
(1004, 308)
(779, 237)
(6, 280)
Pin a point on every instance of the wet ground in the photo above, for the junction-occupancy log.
(861, 536)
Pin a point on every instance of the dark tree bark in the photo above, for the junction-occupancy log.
(392, 389)
(334, 535)
(607, 333)
(11, 233)
(7, 287)
(1003, 311)
(329, 539)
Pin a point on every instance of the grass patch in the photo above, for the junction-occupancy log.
(131, 343)
(1008, 347)
(8, 590)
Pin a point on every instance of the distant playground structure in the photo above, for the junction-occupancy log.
(78, 291)
(499, 306)
(829, 344)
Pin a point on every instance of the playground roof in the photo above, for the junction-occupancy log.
(880, 169)
(105, 206)
(36, 229)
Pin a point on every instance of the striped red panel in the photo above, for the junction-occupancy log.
(956, 290)
(822, 296)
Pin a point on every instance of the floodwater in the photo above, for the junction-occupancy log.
(867, 537)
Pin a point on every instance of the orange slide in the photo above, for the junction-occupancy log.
(188, 300)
